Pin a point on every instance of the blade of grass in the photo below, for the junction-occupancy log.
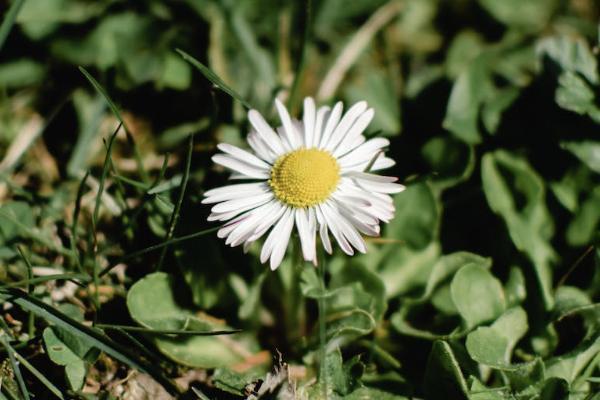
(293, 99)
(39, 375)
(129, 181)
(168, 331)
(9, 20)
(105, 169)
(76, 211)
(211, 76)
(48, 278)
(177, 209)
(158, 246)
(115, 110)
(29, 289)
(87, 334)
(15, 367)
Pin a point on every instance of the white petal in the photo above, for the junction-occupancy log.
(278, 239)
(332, 223)
(242, 155)
(363, 153)
(267, 133)
(244, 230)
(308, 118)
(269, 244)
(288, 127)
(231, 192)
(306, 236)
(376, 183)
(268, 221)
(355, 131)
(344, 126)
(332, 121)
(322, 115)
(323, 230)
(382, 163)
(241, 167)
(232, 205)
(227, 215)
(260, 147)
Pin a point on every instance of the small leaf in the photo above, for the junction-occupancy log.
(478, 296)
(493, 345)
(443, 377)
(153, 302)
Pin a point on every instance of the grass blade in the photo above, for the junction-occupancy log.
(211, 76)
(115, 110)
(159, 246)
(95, 338)
(167, 331)
(9, 20)
(39, 375)
(175, 215)
(15, 367)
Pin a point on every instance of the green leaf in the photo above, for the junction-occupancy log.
(515, 288)
(493, 346)
(574, 94)
(478, 296)
(469, 91)
(446, 266)
(176, 74)
(92, 336)
(374, 87)
(450, 160)
(587, 151)
(570, 365)
(21, 73)
(417, 217)
(61, 354)
(9, 213)
(153, 303)
(443, 377)
(572, 54)
(528, 15)
(517, 193)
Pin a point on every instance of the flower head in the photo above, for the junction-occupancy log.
(315, 175)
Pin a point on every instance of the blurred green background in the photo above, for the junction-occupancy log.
(485, 286)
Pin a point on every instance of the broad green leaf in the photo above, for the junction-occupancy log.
(374, 87)
(572, 54)
(39, 19)
(528, 15)
(450, 160)
(417, 217)
(469, 91)
(11, 212)
(464, 49)
(404, 270)
(57, 350)
(366, 393)
(478, 296)
(153, 303)
(480, 392)
(446, 266)
(587, 151)
(515, 288)
(90, 111)
(21, 73)
(443, 377)
(176, 74)
(517, 193)
(574, 94)
(493, 345)
(569, 366)
(233, 382)
(584, 225)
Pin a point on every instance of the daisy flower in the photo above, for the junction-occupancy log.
(314, 174)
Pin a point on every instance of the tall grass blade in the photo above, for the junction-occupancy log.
(211, 76)
(9, 20)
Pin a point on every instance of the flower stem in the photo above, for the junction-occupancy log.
(322, 330)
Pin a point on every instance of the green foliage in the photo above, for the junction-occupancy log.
(485, 285)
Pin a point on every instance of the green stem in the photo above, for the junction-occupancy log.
(322, 330)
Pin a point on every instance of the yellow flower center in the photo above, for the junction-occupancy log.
(304, 177)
